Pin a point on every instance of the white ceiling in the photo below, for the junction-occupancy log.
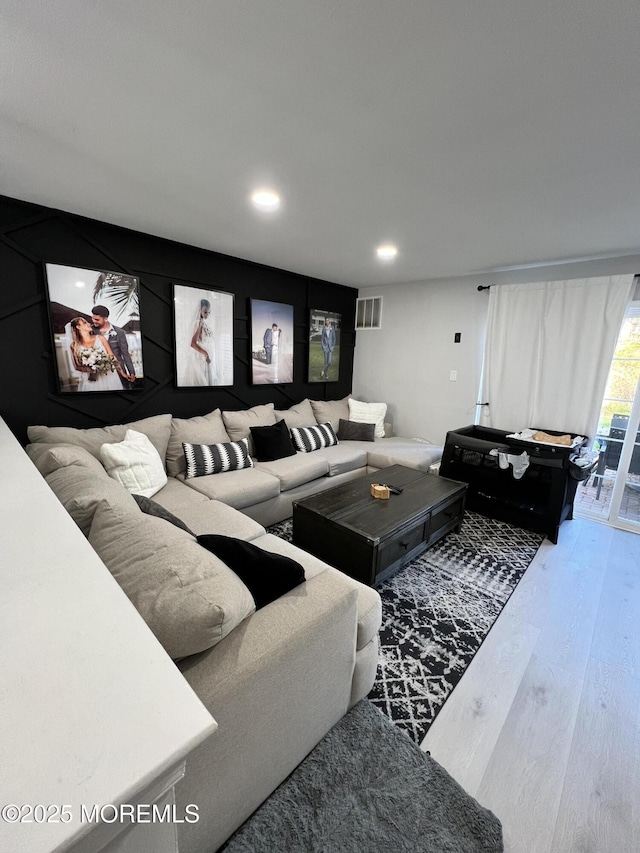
(475, 134)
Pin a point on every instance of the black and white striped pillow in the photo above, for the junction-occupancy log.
(313, 438)
(205, 459)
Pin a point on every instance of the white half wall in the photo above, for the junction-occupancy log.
(407, 363)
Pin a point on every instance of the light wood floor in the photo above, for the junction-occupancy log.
(544, 727)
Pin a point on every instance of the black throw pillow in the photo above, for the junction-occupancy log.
(267, 575)
(155, 509)
(354, 431)
(272, 442)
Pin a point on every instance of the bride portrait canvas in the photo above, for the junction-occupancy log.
(203, 330)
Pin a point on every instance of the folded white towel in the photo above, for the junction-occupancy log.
(527, 435)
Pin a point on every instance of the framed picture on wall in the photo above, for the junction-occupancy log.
(324, 345)
(271, 342)
(203, 335)
(95, 322)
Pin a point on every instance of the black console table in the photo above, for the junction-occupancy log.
(540, 500)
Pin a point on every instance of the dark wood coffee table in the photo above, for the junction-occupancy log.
(370, 539)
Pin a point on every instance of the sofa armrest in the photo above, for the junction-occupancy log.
(275, 685)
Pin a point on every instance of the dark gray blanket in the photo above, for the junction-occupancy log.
(367, 788)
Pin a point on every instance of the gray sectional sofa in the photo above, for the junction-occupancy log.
(275, 679)
(267, 491)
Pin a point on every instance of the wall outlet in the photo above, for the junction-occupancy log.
(453, 375)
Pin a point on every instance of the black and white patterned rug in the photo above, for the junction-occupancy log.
(436, 612)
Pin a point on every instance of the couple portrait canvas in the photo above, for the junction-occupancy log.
(203, 328)
(271, 342)
(95, 320)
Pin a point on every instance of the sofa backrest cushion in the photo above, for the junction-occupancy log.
(156, 428)
(185, 594)
(49, 457)
(331, 411)
(135, 464)
(81, 489)
(238, 424)
(202, 429)
(300, 415)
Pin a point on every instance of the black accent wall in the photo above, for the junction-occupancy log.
(31, 235)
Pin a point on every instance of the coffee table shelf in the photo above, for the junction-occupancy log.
(370, 539)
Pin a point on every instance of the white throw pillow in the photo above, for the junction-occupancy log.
(135, 464)
(368, 413)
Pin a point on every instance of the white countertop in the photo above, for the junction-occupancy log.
(92, 710)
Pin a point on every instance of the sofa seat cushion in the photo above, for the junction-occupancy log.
(296, 470)
(202, 515)
(369, 601)
(176, 496)
(403, 451)
(81, 489)
(188, 597)
(237, 488)
(343, 457)
(214, 517)
(201, 429)
(156, 428)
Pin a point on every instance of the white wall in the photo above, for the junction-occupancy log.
(407, 363)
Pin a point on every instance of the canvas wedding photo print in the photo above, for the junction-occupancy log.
(271, 342)
(324, 345)
(95, 321)
(203, 330)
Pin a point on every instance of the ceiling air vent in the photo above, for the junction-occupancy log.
(369, 313)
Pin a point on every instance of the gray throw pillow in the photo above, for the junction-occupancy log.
(153, 508)
(354, 431)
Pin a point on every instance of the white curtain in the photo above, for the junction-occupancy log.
(548, 352)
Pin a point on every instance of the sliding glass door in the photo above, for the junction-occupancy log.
(613, 493)
(625, 499)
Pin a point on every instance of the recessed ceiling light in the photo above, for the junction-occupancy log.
(79, 283)
(387, 252)
(266, 200)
